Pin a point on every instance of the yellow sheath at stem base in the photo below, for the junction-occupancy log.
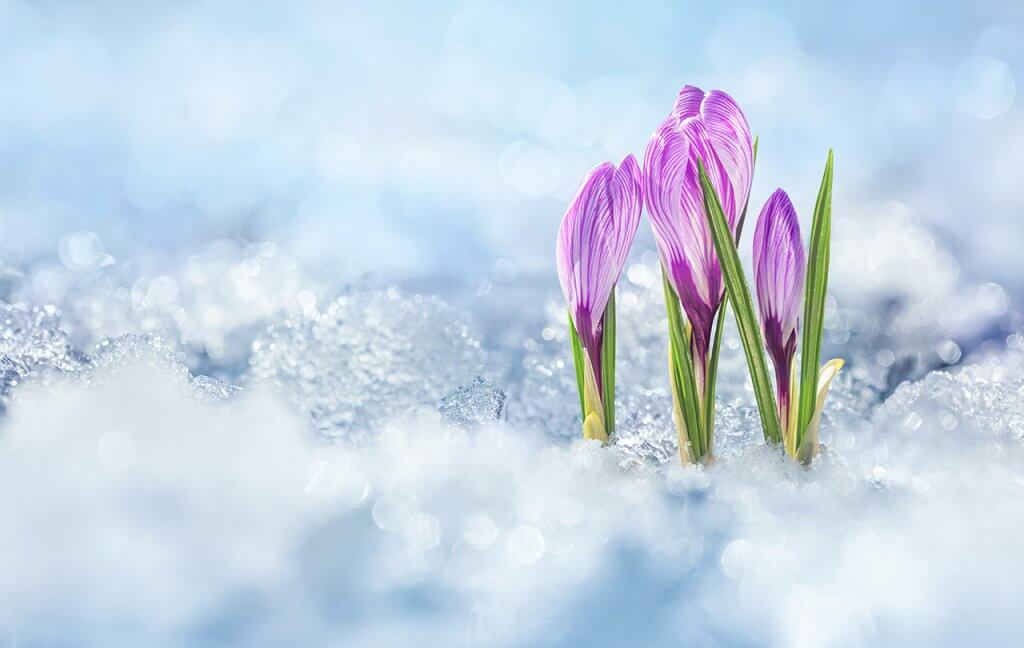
(593, 423)
(809, 443)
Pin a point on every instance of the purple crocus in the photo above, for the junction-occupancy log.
(710, 127)
(593, 242)
(779, 269)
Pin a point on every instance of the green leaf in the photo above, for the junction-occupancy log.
(816, 288)
(710, 382)
(682, 365)
(608, 365)
(743, 214)
(577, 360)
(743, 306)
(712, 375)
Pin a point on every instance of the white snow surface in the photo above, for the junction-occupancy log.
(147, 505)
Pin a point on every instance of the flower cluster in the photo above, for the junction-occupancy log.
(695, 182)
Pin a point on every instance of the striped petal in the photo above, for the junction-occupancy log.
(728, 135)
(688, 103)
(675, 205)
(779, 268)
(709, 127)
(594, 240)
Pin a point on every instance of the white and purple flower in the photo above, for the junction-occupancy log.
(779, 268)
(710, 127)
(593, 242)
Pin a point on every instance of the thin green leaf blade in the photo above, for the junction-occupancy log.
(712, 376)
(743, 214)
(577, 360)
(743, 307)
(815, 292)
(608, 366)
(683, 367)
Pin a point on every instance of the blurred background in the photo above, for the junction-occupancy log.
(437, 143)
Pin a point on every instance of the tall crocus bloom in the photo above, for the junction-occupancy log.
(708, 127)
(779, 268)
(593, 242)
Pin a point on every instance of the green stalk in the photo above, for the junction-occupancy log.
(608, 366)
(815, 291)
(709, 387)
(712, 375)
(683, 368)
(577, 360)
(743, 306)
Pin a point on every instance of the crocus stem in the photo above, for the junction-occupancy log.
(684, 386)
(608, 365)
(700, 370)
(783, 392)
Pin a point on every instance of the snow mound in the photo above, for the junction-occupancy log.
(367, 356)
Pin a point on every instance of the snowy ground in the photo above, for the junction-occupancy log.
(283, 361)
(372, 470)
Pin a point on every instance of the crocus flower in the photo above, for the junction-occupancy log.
(706, 126)
(779, 269)
(593, 242)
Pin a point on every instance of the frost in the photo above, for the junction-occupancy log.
(475, 403)
(368, 356)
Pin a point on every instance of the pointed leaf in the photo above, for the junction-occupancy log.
(716, 345)
(815, 291)
(743, 307)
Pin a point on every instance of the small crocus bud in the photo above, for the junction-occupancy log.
(779, 269)
(593, 242)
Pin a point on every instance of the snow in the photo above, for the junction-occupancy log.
(196, 512)
(368, 356)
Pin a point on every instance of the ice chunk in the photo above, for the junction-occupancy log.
(368, 356)
(475, 403)
(32, 344)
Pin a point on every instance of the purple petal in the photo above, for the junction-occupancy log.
(594, 240)
(730, 138)
(676, 208)
(688, 102)
(709, 127)
(779, 268)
